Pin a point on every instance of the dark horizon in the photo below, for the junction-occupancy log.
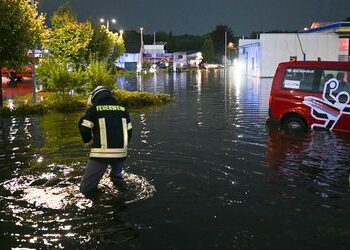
(199, 18)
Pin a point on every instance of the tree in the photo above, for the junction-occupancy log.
(218, 36)
(21, 28)
(187, 43)
(119, 47)
(208, 50)
(255, 35)
(173, 43)
(132, 41)
(106, 45)
(68, 40)
(98, 73)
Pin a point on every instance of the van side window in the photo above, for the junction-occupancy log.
(343, 78)
(299, 79)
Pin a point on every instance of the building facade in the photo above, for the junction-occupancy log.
(260, 57)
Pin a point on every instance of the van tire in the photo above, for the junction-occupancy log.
(294, 123)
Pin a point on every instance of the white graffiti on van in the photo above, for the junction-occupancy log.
(331, 107)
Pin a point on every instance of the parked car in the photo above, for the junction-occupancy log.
(311, 95)
(211, 66)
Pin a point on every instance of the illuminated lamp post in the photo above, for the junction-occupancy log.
(141, 48)
(225, 62)
(231, 47)
(102, 20)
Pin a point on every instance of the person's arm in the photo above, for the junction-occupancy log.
(85, 126)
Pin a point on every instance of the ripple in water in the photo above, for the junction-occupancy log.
(49, 210)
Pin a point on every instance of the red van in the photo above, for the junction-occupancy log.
(311, 95)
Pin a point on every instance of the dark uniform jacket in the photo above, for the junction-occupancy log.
(108, 125)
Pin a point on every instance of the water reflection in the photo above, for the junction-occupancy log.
(156, 83)
(30, 203)
(144, 133)
(35, 184)
(16, 142)
(317, 161)
(51, 191)
(127, 83)
(214, 163)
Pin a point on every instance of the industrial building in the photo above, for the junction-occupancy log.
(328, 42)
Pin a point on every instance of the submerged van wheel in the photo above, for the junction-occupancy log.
(294, 123)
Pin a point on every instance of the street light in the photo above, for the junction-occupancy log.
(102, 20)
(121, 32)
(141, 49)
(225, 51)
(141, 30)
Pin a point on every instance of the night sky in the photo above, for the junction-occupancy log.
(201, 16)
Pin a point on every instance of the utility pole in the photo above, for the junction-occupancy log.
(225, 59)
(225, 66)
(141, 48)
(301, 47)
(154, 51)
(34, 73)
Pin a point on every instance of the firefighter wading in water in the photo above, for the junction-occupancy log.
(108, 126)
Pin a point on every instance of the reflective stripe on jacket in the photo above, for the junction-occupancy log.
(108, 126)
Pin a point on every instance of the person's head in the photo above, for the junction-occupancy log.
(99, 92)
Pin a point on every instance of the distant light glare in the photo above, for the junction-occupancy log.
(40, 159)
(11, 104)
(238, 74)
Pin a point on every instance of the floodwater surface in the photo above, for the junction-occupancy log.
(204, 172)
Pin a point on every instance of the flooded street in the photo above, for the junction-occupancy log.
(204, 172)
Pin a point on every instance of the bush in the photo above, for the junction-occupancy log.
(138, 99)
(65, 103)
(54, 75)
(78, 79)
(60, 77)
(97, 74)
(147, 66)
(24, 110)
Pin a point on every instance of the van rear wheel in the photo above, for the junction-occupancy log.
(294, 123)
